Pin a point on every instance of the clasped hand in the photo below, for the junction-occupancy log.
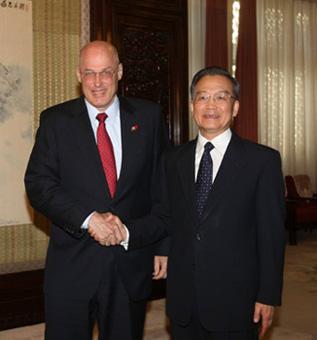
(107, 229)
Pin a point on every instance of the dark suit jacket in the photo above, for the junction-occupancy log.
(65, 181)
(234, 257)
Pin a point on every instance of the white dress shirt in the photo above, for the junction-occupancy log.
(220, 144)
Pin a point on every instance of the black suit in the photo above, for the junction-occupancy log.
(65, 181)
(234, 256)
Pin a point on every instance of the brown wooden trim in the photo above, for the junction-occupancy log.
(111, 19)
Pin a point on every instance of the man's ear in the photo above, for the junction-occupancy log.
(120, 71)
(236, 106)
(191, 107)
(78, 74)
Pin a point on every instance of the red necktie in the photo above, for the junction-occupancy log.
(106, 153)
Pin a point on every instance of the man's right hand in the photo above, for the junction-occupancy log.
(107, 229)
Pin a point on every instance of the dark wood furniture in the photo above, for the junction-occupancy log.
(21, 299)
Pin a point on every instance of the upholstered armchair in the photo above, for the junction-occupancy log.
(301, 205)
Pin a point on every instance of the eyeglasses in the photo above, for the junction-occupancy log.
(218, 98)
(105, 74)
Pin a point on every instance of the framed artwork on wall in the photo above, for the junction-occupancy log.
(16, 108)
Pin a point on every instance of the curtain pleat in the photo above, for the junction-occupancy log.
(216, 52)
(246, 124)
(287, 52)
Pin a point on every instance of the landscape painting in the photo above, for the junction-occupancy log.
(16, 109)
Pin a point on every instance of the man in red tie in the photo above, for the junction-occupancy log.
(94, 155)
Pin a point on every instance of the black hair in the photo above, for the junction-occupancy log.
(214, 71)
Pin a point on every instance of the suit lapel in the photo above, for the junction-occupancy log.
(87, 143)
(232, 163)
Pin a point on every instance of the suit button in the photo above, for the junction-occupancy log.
(198, 237)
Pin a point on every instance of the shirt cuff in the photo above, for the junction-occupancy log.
(86, 222)
(125, 243)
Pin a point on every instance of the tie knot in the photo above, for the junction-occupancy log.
(208, 146)
(101, 117)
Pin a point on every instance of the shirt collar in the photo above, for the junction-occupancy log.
(112, 111)
(220, 142)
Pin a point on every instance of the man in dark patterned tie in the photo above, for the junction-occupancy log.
(223, 202)
(94, 155)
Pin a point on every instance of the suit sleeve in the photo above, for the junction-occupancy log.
(270, 212)
(44, 185)
(161, 248)
(153, 228)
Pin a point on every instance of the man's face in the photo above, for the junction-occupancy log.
(99, 72)
(213, 106)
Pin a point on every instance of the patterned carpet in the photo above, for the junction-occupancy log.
(295, 320)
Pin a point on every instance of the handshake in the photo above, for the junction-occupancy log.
(107, 229)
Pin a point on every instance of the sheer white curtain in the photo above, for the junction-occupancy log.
(196, 46)
(287, 77)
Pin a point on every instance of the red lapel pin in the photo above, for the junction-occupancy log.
(134, 128)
